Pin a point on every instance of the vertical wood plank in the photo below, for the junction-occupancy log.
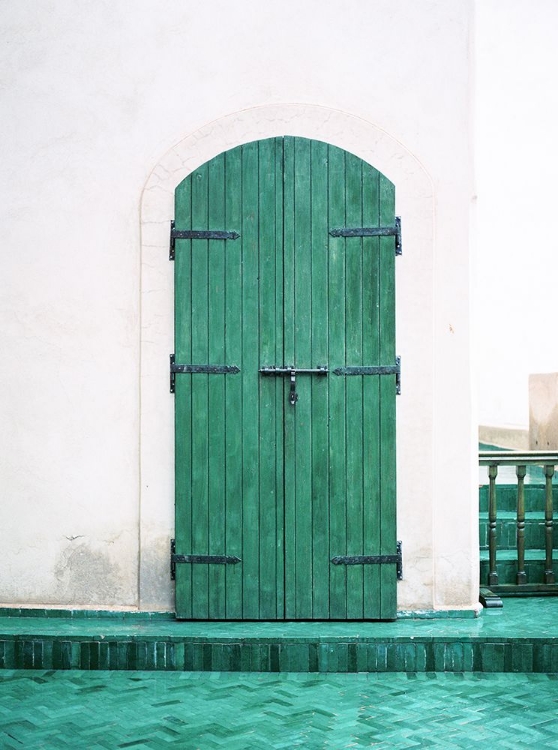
(267, 385)
(183, 398)
(337, 401)
(353, 388)
(387, 403)
(200, 394)
(217, 250)
(302, 411)
(371, 391)
(250, 382)
(279, 359)
(289, 444)
(233, 384)
(319, 386)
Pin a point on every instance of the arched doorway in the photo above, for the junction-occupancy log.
(285, 382)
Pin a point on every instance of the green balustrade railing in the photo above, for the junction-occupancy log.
(533, 468)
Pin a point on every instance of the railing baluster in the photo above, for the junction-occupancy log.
(548, 524)
(492, 572)
(521, 577)
(523, 461)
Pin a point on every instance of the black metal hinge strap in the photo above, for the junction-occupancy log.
(204, 369)
(379, 370)
(199, 559)
(375, 370)
(393, 231)
(194, 234)
(207, 559)
(396, 559)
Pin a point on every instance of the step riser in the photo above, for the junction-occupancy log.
(431, 656)
(506, 534)
(506, 498)
(507, 571)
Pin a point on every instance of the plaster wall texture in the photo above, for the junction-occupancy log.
(517, 161)
(543, 412)
(104, 112)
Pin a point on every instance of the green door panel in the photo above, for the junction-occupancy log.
(285, 487)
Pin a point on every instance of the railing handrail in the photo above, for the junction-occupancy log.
(515, 458)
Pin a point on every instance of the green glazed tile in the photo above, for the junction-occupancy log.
(263, 658)
(167, 652)
(408, 657)
(201, 655)
(493, 657)
(38, 649)
(141, 654)
(521, 657)
(47, 654)
(366, 657)
(188, 657)
(112, 655)
(160, 655)
(122, 654)
(19, 655)
(521, 629)
(207, 657)
(221, 658)
(103, 655)
(420, 657)
(313, 657)
(439, 655)
(85, 655)
(455, 657)
(381, 664)
(239, 655)
(429, 657)
(294, 657)
(351, 657)
(274, 658)
(9, 661)
(255, 710)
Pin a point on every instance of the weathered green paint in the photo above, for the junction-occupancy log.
(285, 488)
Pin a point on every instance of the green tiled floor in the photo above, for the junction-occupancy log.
(259, 711)
(535, 616)
(521, 637)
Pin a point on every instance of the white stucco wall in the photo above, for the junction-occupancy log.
(517, 162)
(104, 111)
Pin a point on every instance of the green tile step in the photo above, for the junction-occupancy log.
(506, 566)
(506, 497)
(521, 637)
(506, 530)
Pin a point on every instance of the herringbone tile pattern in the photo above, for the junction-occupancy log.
(242, 711)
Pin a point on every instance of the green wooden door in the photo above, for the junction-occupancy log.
(269, 492)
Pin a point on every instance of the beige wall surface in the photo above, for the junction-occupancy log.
(543, 412)
(105, 107)
(516, 164)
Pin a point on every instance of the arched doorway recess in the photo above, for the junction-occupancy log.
(285, 376)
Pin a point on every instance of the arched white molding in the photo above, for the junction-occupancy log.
(414, 197)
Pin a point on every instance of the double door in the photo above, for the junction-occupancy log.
(285, 386)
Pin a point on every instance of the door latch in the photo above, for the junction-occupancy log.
(292, 372)
(293, 395)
